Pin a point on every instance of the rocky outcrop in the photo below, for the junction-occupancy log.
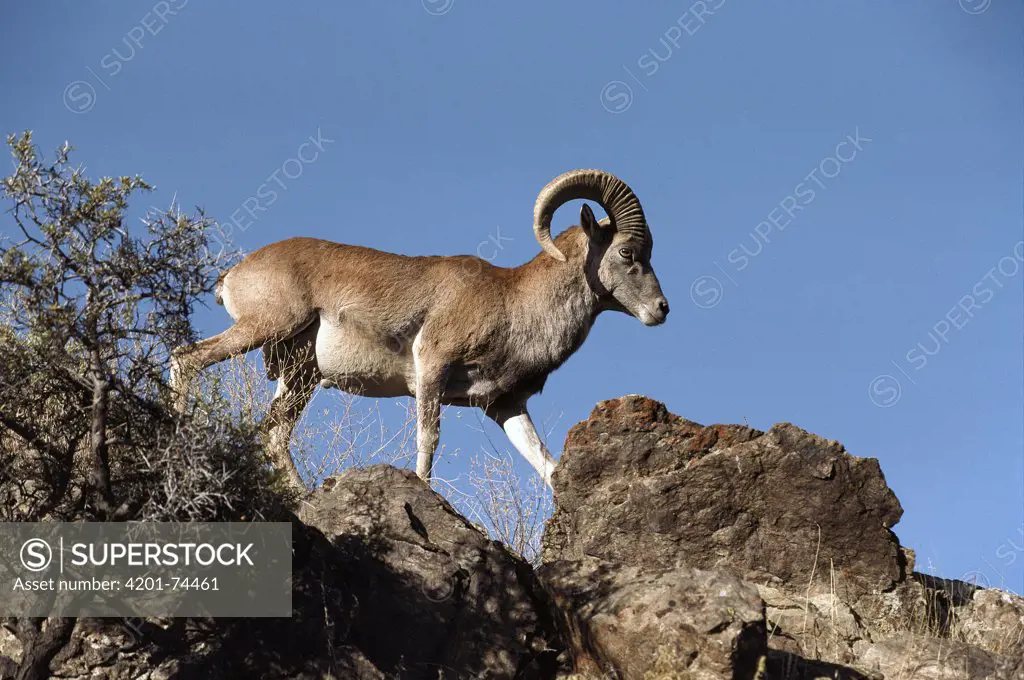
(675, 551)
(797, 518)
(638, 484)
(388, 582)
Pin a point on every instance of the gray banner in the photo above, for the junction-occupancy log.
(139, 569)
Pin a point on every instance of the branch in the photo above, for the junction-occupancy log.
(30, 436)
(41, 646)
(99, 477)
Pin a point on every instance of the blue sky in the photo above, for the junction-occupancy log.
(835, 191)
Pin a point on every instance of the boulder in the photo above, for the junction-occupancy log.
(639, 485)
(647, 495)
(631, 622)
(427, 589)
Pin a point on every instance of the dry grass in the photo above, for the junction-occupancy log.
(510, 509)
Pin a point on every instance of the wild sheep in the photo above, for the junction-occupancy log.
(453, 330)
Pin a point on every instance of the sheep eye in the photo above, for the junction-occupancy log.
(626, 253)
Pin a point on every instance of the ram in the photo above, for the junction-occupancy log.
(452, 330)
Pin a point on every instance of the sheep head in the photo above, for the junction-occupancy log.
(619, 255)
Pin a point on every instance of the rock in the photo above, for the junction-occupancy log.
(994, 620)
(797, 516)
(631, 621)
(929, 658)
(638, 485)
(788, 666)
(821, 627)
(388, 581)
(675, 551)
(430, 590)
(968, 625)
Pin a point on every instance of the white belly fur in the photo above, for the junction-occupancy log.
(362, 362)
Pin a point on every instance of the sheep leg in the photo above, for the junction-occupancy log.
(297, 382)
(247, 334)
(430, 383)
(428, 423)
(515, 420)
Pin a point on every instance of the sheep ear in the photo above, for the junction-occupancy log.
(593, 229)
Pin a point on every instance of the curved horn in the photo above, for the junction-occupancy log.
(614, 195)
